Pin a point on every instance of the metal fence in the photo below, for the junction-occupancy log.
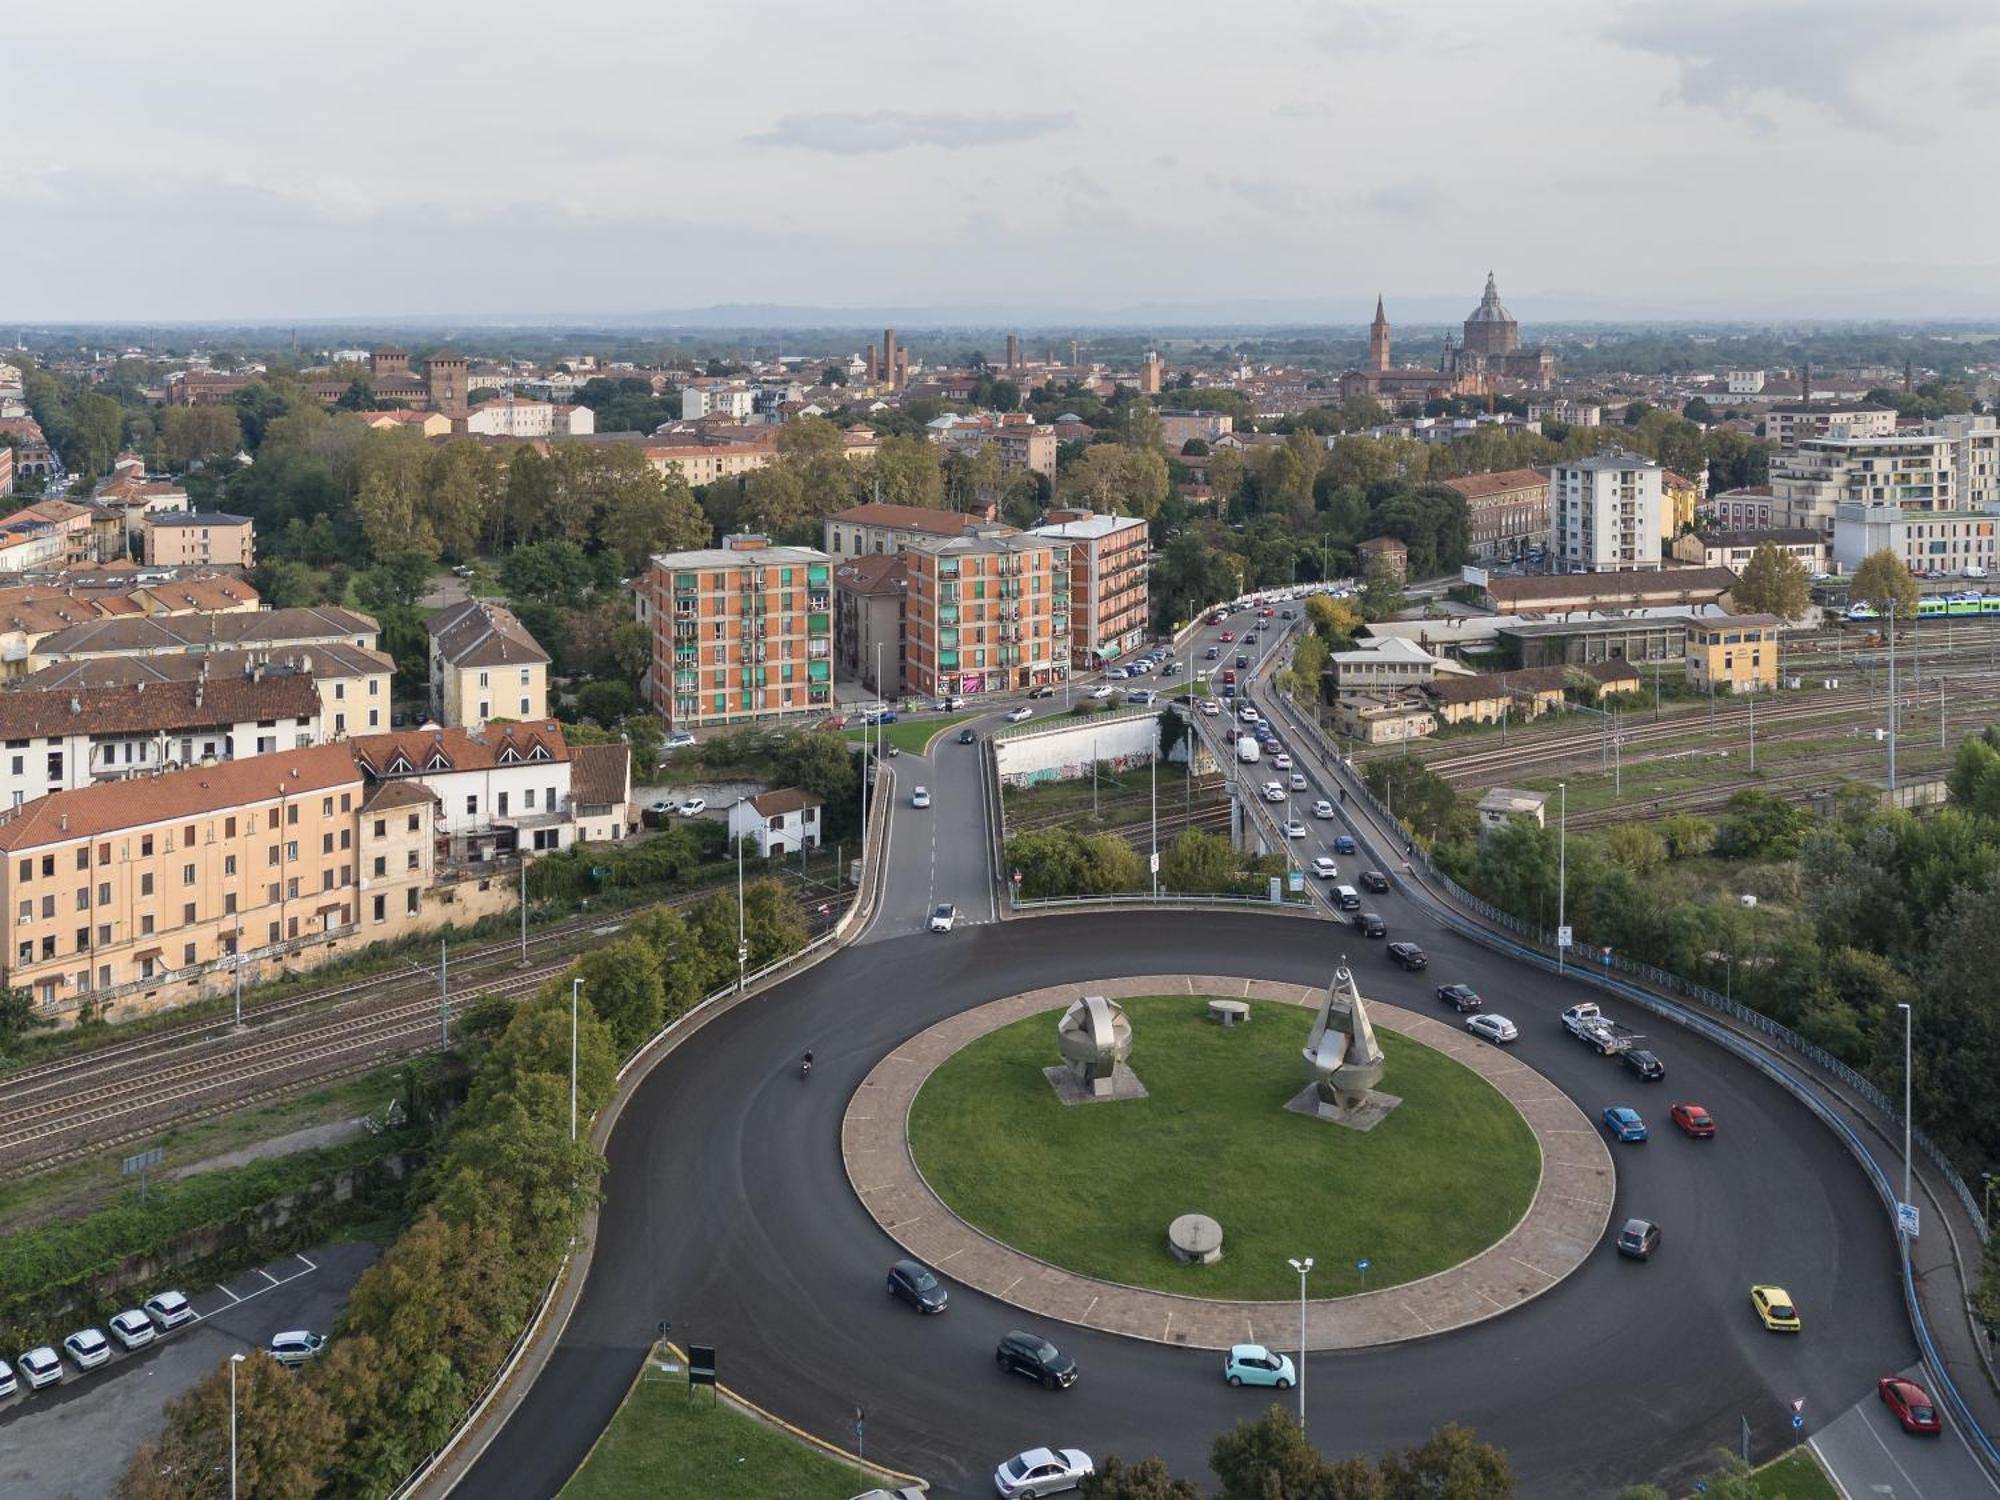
(1286, 902)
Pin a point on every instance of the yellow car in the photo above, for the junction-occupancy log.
(1774, 1305)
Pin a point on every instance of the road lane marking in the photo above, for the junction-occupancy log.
(227, 1293)
(1916, 1490)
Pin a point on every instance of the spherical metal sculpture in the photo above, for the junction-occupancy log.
(1095, 1039)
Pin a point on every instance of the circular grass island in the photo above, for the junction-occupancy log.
(1092, 1187)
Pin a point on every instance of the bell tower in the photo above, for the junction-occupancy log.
(1378, 338)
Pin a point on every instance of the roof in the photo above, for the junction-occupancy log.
(1487, 685)
(1725, 622)
(28, 713)
(93, 810)
(1381, 544)
(600, 775)
(1825, 408)
(1512, 799)
(196, 518)
(478, 633)
(1792, 536)
(1089, 529)
(730, 557)
(908, 518)
(417, 752)
(875, 573)
(1611, 458)
(1505, 481)
(321, 659)
(1666, 582)
(388, 794)
(194, 632)
(785, 799)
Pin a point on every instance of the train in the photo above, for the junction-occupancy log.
(1937, 607)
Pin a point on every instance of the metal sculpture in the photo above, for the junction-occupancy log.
(1343, 1059)
(1095, 1039)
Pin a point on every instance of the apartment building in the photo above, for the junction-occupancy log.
(870, 600)
(1733, 653)
(1507, 513)
(509, 417)
(740, 633)
(1605, 513)
(352, 685)
(1110, 606)
(876, 528)
(499, 790)
(1943, 541)
(732, 399)
(176, 539)
(484, 665)
(1913, 471)
(1734, 549)
(1024, 448)
(1789, 423)
(1179, 428)
(987, 614)
(173, 635)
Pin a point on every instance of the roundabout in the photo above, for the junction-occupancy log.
(1484, 1190)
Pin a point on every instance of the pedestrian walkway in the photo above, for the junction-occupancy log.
(1564, 1223)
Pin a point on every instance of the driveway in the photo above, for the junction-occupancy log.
(75, 1439)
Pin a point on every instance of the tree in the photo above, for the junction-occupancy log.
(1148, 1479)
(1773, 582)
(1382, 595)
(1517, 869)
(397, 579)
(19, 1015)
(286, 1436)
(1698, 410)
(622, 983)
(1687, 835)
(1882, 581)
(1198, 863)
(192, 435)
(606, 701)
(549, 572)
(643, 733)
(1450, 1464)
(390, 517)
(1266, 1459)
(1338, 621)
(1761, 826)
(774, 503)
(908, 472)
(455, 497)
(1636, 847)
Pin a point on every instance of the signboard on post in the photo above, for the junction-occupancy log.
(1906, 1219)
(701, 1366)
(1564, 936)
(138, 1166)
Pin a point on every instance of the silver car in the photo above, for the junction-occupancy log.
(1493, 1028)
(1042, 1471)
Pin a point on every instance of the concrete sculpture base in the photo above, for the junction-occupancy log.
(1195, 1239)
(1070, 1089)
(1372, 1111)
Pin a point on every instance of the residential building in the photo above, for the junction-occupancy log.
(176, 539)
(28, 545)
(271, 630)
(509, 417)
(6, 469)
(1751, 508)
(1943, 541)
(89, 533)
(862, 529)
(1384, 554)
(430, 424)
(1734, 549)
(987, 614)
(501, 790)
(1954, 464)
(731, 399)
(1567, 412)
(1680, 498)
(780, 822)
(740, 633)
(1179, 428)
(600, 792)
(485, 665)
(1605, 513)
(1507, 513)
(1743, 382)
(352, 684)
(1025, 448)
(58, 739)
(566, 420)
(1110, 606)
(870, 600)
(1733, 653)
(1789, 423)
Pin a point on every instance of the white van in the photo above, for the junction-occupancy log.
(1247, 751)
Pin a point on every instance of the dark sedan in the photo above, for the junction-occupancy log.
(915, 1283)
(1646, 1065)
(1371, 880)
(1032, 1355)
(1371, 924)
(1638, 1239)
(1461, 997)
(1409, 955)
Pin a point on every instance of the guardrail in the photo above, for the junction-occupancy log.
(1301, 905)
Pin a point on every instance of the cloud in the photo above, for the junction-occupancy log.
(1740, 60)
(893, 130)
(1409, 201)
(1360, 28)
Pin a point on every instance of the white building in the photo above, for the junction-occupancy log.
(509, 417)
(1943, 541)
(572, 421)
(1604, 513)
(727, 400)
(1790, 423)
(1568, 413)
(499, 790)
(1744, 382)
(1915, 471)
(782, 821)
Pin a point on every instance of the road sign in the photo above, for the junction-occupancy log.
(1361, 1265)
(1153, 863)
(1798, 1421)
(135, 1164)
(1563, 937)
(701, 1364)
(1906, 1219)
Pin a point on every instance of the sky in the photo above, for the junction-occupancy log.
(246, 160)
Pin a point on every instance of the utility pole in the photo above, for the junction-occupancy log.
(444, 997)
(575, 994)
(1890, 615)
(1753, 727)
(1562, 870)
(1908, 1020)
(1155, 860)
(522, 855)
(238, 966)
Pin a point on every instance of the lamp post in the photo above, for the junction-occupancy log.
(1302, 1267)
(1562, 870)
(1908, 1017)
(236, 955)
(575, 994)
(742, 947)
(1987, 1202)
(523, 858)
(234, 1361)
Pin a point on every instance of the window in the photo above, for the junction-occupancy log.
(229, 828)
(346, 838)
(381, 905)
(524, 708)
(482, 679)
(187, 874)
(187, 915)
(48, 906)
(229, 904)
(413, 822)
(187, 954)
(292, 852)
(104, 854)
(381, 828)
(270, 817)
(272, 892)
(146, 847)
(292, 814)
(485, 709)
(472, 806)
(146, 925)
(55, 765)
(103, 934)
(381, 866)
(274, 928)
(83, 858)
(274, 855)
(326, 843)
(292, 889)
(82, 938)
(410, 901)
(228, 864)
(326, 880)
(145, 885)
(48, 864)
(416, 861)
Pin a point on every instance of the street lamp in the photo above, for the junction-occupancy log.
(1987, 1179)
(575, 994)
(234, 1361)
(1908, 1019)
(1562, 871)
(1302, 1267)
(742, 947)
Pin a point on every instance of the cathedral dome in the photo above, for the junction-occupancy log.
(1489, 309)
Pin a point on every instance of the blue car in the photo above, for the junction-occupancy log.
(1624, 1123)
(1253, 1364)
(1343, 844)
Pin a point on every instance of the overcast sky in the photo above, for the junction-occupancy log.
(265, 159)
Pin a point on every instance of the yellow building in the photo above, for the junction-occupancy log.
(1733, 653)
(485, 665)
(188, 538)
(1679, 495)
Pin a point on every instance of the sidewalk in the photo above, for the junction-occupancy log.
(1944, 1258)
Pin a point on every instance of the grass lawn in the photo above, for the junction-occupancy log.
(910, 735)
(1094, 1186)
(662, 1443)
(1796, 1476)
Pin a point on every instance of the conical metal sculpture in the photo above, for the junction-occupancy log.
(1343, 1060)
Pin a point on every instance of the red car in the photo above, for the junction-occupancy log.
(1908, 1404)
(1693, 1120)
(1228, 635)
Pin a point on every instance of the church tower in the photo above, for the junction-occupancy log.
(1378, 338)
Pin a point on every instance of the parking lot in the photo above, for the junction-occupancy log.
(75, 1438)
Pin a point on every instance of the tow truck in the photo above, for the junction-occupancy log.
(1587, 1023)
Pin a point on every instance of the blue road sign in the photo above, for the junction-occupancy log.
(1361, 1265)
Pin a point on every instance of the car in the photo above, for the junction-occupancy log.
(1491, 1028)
(7, 1383)
(1693, 1120)
(1213, 653)
(917, 1284)
(1210, 708)
(1461, 997)
(1023, 712)
(1297, 782)
(1371, 924)
(1143, 696)
(1638, 1239)
(943, 917)
(88, 1347)
(1042, 1471)
(169, 1310)
(132, 1328)
(1322, 808)
(880, 716)
(920, 796)
(1344, 844)
(950, 705)
(1346, 898)
(694, 807)
(1909, 1404)
(1042, 690)
(1243, 657)
(1282, 762)
(1624, 1123)
(1408, 956)
(1118, 674)
(1274, 791)
(1032, 1355)
(297, 1346)
(1371, 880)
(1294, 829)
(1646, 1065)
(677, 741)
(40, 1367)
(967, 737)
(1247, 713)
(661, 809)
(1102, 691)
(1227, 636)
(1775, 1308)
(1253, 1364)
(1284, 614)
(900, 1492)
(1325, 868)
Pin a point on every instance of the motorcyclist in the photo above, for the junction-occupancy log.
(807, 1065)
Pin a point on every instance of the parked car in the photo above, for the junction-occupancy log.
(1042, 690)
(915, 1283)
(943, 917)
(1343, 844)
(88, 1348)
(920, 796)
(1032, 1355)
(1371, 924)
(662, 809)
(1491, 1028)
(1023, 712)
(967, 737)
(1118, 674)
(1908, 1404)
(8, 1384)
(677, 741)
(1638, 1239)
(297, 1346)
(1646, 1065)
(40, 1367)
(1322, 808)
(1253, 1364)
(132, 1328)
(169, 1310)
(1371, 880)
(1624, 1123)
(1409, 956)
(694, 807)
(1461, 997)
(1042, 1471)
(1775, 1308)
(1693, 1120)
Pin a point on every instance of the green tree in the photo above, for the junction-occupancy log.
(1687, 835)
(622, 983)
(286, 1436)
(1761, 826)
(1881, 580)
(1267, 1459)
(19, 1015)
(908, 472)
(648, 740)
(1517, 870)
(1338, 621)
(1452, 1463)
(1382, 595)
(774, 503)
(398, 579)
(1773, 582)
(555, 572)
(1198, 863)
(606, 701)
(1148, 1479)
(192, 435)
(1637, 847)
